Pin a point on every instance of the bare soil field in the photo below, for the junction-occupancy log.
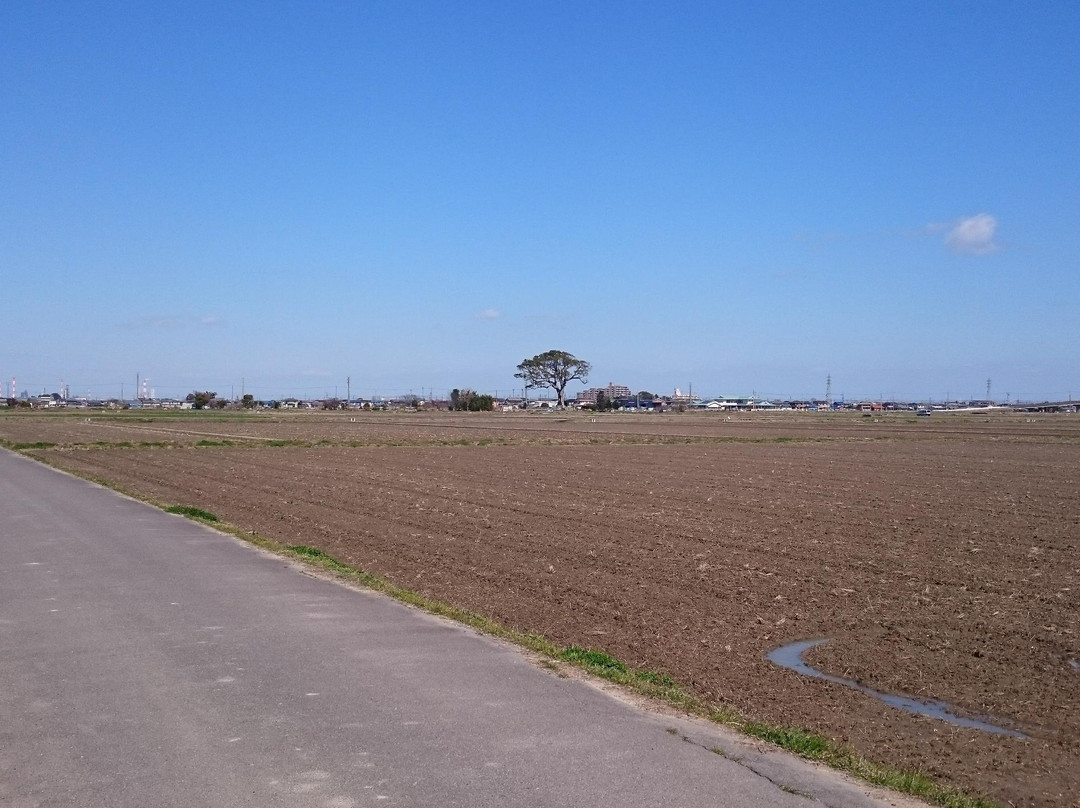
(940, 557)
(377, 428)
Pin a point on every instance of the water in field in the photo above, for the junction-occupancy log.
(790, 656)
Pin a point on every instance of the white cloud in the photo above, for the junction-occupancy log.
(973, 235)
(488, 314)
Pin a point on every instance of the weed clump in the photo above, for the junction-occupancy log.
(652, 677)
(192, 513)
(590, 658)
(807, 744)
(309, 552)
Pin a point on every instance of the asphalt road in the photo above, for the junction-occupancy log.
(148, 661)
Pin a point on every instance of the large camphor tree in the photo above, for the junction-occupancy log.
(554, 369)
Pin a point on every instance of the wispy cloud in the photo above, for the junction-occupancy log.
(973, 235)
(166, 322)
(488, 314)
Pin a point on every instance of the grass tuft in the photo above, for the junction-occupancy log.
(806, 744)
(192, 513)
(592, 659)
(310, 552)
(652, 677)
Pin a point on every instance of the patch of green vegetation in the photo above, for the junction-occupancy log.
(203, 443)
(588, 658)
(96, 444)
(192, 513)
(310, 552)
(806, 744)
(655, 678)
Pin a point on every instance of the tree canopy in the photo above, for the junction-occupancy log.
(470, 401)
(201, 398)
(554, 369)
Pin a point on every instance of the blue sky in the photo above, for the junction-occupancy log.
(742, 197)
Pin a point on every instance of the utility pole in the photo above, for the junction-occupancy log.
(348, 390)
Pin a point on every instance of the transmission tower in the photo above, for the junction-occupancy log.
(828, 390)
(988, 391)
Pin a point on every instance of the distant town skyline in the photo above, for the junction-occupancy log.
(740, 197)
(144, 387)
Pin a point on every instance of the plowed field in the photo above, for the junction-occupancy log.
(940, 557)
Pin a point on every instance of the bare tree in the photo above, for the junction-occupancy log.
(554, 369)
